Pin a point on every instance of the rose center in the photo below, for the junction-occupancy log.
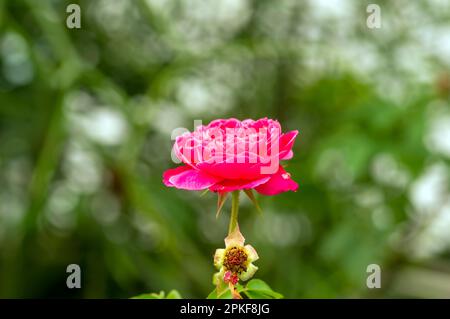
(235, 260)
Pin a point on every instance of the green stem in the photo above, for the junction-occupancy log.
(234, 212)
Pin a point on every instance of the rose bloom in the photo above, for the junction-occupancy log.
(228, 155)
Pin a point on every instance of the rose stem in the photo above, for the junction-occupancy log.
(234, 212)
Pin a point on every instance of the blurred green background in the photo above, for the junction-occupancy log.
(86, 117)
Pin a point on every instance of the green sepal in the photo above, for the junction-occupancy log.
(221, 198)
(204, 192)
(251, 196)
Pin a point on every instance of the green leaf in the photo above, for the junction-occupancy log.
(212, 294)
(255, 289)
(256, 295)
(226, 294)
(152, 295)
(239, 288)
(258, 289)
(173, 294)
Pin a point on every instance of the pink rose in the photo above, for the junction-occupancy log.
(228, 155)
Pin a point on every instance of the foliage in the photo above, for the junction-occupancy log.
(173, 294)
(254, 289)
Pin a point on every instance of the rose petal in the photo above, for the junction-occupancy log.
(286, 142)
(278, 183)
(246, 275)
(251, 252)
(184, 177)
(247, 169)
(234, 239)
(288, 156)
(218, 257)
(172, 172)
(235, 184)
(218, 277)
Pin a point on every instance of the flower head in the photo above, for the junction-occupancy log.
(235, 262)
(228, 155)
